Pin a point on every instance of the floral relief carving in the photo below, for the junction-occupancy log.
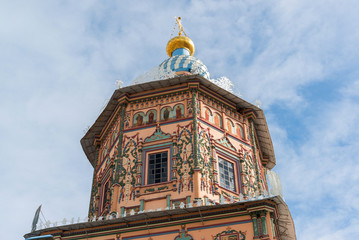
(185, 160)
(157, 135)
(94, 200)
(224, 141)
(250, 185)
(205, 162)
(128, 171)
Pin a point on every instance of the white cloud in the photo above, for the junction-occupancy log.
(319, 176)
(59, 62)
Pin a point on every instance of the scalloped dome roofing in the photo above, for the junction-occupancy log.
(187, 63)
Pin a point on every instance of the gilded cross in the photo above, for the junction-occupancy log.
(180, 27)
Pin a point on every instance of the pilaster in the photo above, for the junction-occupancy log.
(194, 91)
(255, 154)
(123, 101)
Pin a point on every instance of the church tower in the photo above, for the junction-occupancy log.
(177, 156)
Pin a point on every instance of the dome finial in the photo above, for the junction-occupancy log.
(180, 45)
(180, 27)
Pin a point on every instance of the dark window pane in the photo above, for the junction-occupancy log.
(157, 167)
(226, 175)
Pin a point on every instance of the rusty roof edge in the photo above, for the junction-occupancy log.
(261, 125)
(285, 219)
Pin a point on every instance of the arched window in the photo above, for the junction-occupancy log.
(230, 126)
(207, 114)
(249, 136)
(106, 195)
(151, 116)
(104, 151)
(166, 113)
(179, 110)
(114, 136)
(218, 120)
(240, 131)
(138, 119)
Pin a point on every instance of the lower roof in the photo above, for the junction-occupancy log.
(285, 222)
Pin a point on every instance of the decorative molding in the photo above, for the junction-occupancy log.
(224, 141)
(128, 172)
(194, 105)
(230, 234)
(183, 235)
(205, 160)
(184, 159)
(158, 134)
(118, 158)
(152, 190)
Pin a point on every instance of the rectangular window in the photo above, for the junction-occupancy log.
(226, 174)
(157, 167)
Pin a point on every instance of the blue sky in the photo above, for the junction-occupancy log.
(59, 61)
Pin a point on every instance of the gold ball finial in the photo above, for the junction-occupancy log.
(180, 41)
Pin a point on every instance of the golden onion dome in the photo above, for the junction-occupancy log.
(180, 42)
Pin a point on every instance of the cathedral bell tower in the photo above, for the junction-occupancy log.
(179, 156)
(178, 141)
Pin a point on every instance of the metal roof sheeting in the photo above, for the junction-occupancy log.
(285, 221)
